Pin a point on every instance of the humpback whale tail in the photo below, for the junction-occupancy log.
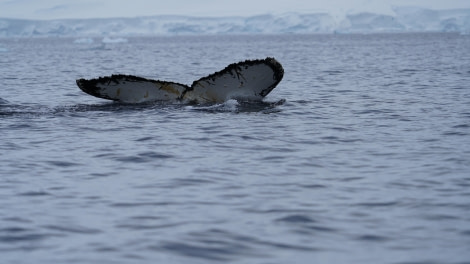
(247, 80)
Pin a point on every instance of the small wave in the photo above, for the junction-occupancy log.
(18, 235)
(378, 204)
(142, 139)
(305, 224)
(10, 109)
(372, 238)
(103, 107)
(140, 204)
(220, 245)
(143, 157)
(236, 106)
(213, 245)
(229, 106)
(233, 106)
(214, 253)
(3, 102)
(73, 229)
(296, 219)
(35, 193)
(22, 237)
(333, 72)
(13, 229)
(462, 126)
(183, 182)
(59, 163)
(454, 133)
(141, 226)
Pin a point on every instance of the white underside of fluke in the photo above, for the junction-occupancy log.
(248, 80)
(137, 91)
(245, 82)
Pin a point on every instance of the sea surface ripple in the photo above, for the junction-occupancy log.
(360, 155)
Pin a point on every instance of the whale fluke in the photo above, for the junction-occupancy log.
(132, 89)
(247, 80)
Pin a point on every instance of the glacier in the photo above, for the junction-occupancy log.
(404, 19)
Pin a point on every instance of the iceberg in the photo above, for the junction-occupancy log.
(369, 22)
(419, 19)
(109, 40)
(403, 19)
(84, 41)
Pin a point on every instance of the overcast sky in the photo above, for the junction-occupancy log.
(55, 9)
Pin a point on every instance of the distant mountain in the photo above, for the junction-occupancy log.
(405, 19)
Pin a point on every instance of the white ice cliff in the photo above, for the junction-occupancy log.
(405, 19)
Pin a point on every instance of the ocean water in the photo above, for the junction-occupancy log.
(360, 155)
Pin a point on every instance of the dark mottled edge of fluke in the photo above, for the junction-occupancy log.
(90, 86)
(271, 62)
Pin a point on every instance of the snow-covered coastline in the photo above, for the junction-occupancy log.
(405, 19)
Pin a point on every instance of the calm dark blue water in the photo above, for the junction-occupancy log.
(360, 155)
